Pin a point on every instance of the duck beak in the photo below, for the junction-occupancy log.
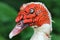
(17, 29)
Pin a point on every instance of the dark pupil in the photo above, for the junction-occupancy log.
(31, 10)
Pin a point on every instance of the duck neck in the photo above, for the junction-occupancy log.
(40, 32)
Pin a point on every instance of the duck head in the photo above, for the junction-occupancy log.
(30, 14)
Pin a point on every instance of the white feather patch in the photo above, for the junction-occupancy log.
(40, 32)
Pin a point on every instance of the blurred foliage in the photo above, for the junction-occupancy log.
(8, 13)
(55, 37)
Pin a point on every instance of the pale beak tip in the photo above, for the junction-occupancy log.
(10, 36)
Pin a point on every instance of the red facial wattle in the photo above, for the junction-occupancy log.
(37, 17)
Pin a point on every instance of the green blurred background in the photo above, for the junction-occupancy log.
(8, 13)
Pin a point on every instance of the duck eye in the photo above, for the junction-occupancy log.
(31, 10)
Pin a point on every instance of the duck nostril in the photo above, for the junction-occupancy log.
(19, 24)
